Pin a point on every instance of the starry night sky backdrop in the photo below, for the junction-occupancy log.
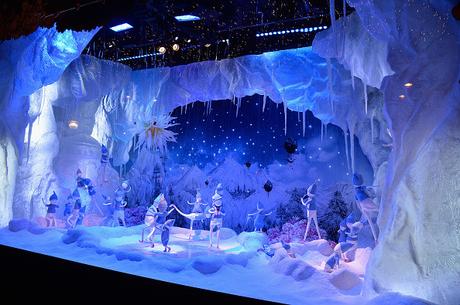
(257, 136)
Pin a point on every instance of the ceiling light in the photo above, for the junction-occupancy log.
(175, 47)
(183, 18)
(207, 45)
(402, 96)
(162, 50)
(73, 124)
(189, 40)
(408, 85)
(121, 27)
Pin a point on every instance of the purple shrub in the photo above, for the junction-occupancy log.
(293, 231)
(135, 216)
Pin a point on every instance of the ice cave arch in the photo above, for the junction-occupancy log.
(419, 203)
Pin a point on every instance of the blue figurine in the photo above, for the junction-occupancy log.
(161, 223)
(259, 219)
(51, 210)
(365, 202)
(69, 206)
(78, 212)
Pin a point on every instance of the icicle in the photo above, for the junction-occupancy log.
(372, 126)
(365, 98)
(303, 123)
(238, 104)
(322, 126)
(332, 13)
(285, 117)
(352, 150)
(345, 134)
(352, 72)
(344, 8)
(298, 116)
(325, 130)
(329, 83)
(264, 103)
(29, 137)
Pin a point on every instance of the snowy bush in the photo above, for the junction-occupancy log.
(292, 208)
(336, 211)
(293, 230)
(135, 216)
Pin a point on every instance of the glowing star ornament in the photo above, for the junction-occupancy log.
(155, 133)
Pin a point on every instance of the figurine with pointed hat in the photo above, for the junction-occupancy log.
(198, 204)
(310, 204)
(51, 210)
(217, 215)
(161, 222)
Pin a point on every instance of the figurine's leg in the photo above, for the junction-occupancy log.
(53, 218)
(122, 214)
(211, 227)
(315, 219)
(191, 229)
(308, 227)
(218, 237)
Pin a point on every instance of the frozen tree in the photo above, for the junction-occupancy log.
(337, 210)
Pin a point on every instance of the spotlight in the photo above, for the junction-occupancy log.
(283, 32)
(270, 33)
(279, 32)
(162, 50)
(183, 18)
(189, 40)
(121, 27)
(402, 96)
(408, 85)
(73, 124)
(207, 45)
(175, 47)
(257, 35)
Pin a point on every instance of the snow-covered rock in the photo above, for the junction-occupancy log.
(208, 264)
(252, 241)
(344, 279)
(320, 245)
(282, 263)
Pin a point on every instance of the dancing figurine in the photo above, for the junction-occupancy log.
(161, 223)
(76, 217)
(259, 219)
(216, 218)
(365, 202)
(149, 219)
(51, 211)
(119, 207)
(196, 214)
(311, 209)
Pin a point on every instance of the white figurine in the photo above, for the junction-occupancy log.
(216, 218)
(119, 207)
(197, 212)
(311, 209)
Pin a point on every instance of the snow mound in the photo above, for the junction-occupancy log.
(320, 245)
(391, 298)
(252, 240)
(238, 259)
(208, 264)
(344, 279)
(284, 264)
(17, 225)
(82, 238)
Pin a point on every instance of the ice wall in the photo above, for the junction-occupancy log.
(419, 245)
(27, 64)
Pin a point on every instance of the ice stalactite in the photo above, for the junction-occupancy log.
(332, 13)
(322, 128)
(329, 83)
(325, 130)
(303, 123)
(352, 77)
(345, 135)
(365, 98)
(238, 105)
(344, 3)
(298, 116)
(285, 117)
(264, 102)
(352, 149)
(372, 126)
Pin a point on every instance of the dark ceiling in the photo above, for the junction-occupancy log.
(227, 28)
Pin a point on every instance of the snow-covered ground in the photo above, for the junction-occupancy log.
(234, 269)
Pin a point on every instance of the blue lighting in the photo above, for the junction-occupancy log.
(183, 18)
(121, 27)
(270, 33)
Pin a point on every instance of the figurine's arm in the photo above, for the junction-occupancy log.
(108, 203)
(125, 203)
(43, 200)
(269, 213)
(252, 214)
(303, 202)
(169, 212)
(190, 203)
(204, 203)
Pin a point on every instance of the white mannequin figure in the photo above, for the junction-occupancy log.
(216, 218)
(311, 209)
(259, 217)
(365, 202)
